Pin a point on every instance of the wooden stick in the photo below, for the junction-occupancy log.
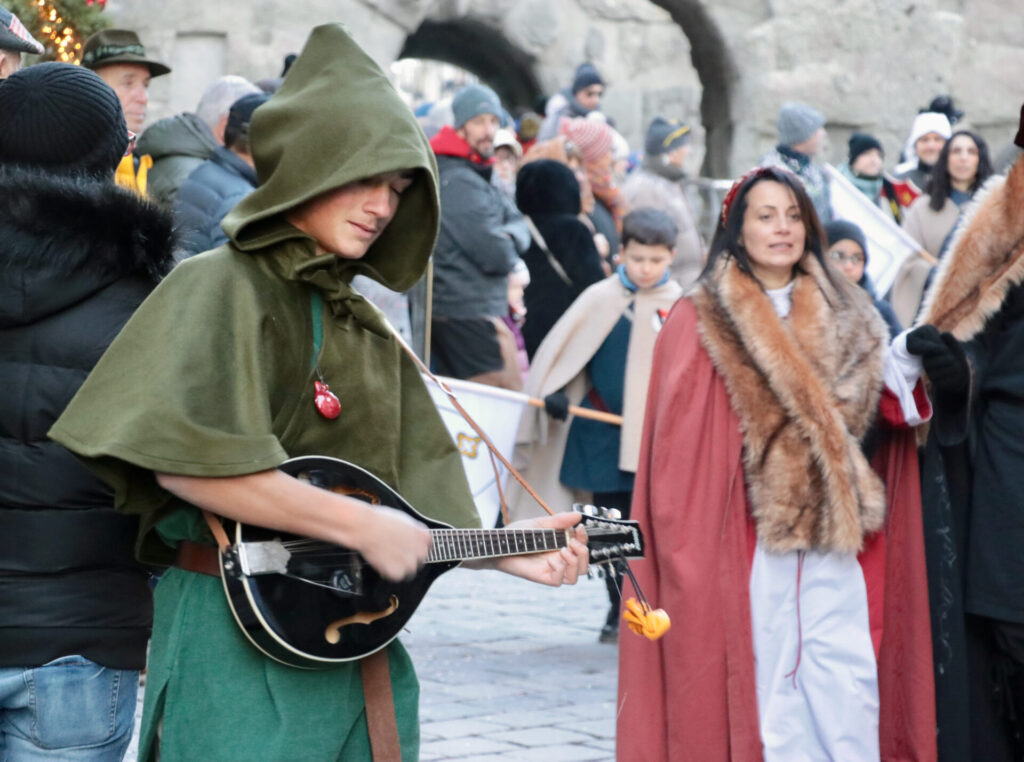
(582, 412)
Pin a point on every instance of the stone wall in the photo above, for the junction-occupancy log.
(867, 64)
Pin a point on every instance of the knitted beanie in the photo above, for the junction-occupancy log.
(839, 230)
(592, 137)
(61, 118)
(929, 121)
(797, 122)
(474, 100)
(665, 136)
(240, 115)
(586, 75)
(861, 142)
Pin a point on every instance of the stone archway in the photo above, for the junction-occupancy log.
(718, 75)
(641, 46)
(482, 50)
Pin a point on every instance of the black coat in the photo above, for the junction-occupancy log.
(548, 193)
(207, 195)
(77, 256)
(972, 472)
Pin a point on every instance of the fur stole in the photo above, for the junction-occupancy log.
(985, 260)
(806, 390)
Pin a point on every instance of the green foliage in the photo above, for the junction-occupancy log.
(82, 17)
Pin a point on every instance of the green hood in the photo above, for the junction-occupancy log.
(337, 119)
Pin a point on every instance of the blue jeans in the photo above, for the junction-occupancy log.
(71, 709)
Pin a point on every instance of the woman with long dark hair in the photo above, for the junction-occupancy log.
(961, 169)
(792, 569)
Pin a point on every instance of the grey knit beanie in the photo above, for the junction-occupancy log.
(797, 122)
(473, 100)
(61, 118)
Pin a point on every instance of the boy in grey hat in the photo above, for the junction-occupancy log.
(14, 41)
(801, 137)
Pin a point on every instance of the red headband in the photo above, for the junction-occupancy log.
(755, 172)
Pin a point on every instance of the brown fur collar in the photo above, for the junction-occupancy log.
(806, 390)
(986, 259)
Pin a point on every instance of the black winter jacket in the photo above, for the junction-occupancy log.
(205, 198)
(77, 256)
(548, 193)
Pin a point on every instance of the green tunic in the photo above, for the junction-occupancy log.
(213, 376)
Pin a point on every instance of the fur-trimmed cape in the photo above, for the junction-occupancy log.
(986, 260)
(694, 691)
(806, 390)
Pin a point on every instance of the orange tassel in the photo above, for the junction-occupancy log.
(643, 620)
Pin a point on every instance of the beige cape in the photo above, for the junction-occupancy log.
(561, 362)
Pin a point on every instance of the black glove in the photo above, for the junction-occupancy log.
(557, 405)
(943, 358)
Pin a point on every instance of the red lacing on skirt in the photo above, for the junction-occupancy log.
(800, 555)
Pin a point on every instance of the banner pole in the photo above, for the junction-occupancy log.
(428, 309)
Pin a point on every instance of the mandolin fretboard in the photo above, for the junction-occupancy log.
(466, 544)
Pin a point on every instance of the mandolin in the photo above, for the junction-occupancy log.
(312, 604)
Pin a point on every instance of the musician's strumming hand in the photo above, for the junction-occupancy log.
(556, 567)
(393, 543)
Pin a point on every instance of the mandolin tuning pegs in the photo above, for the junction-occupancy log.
(577, 507)
(614, 513)
(589, 510)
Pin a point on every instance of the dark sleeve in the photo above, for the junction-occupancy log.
(472, 218)
(953, 412)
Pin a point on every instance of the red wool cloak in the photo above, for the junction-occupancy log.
(692, 694)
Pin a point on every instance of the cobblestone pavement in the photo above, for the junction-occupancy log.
(511, 670)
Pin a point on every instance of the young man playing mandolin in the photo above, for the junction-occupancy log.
(237, 362)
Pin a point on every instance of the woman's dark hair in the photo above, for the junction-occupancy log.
(726, 240)
(940, 186)
(649, 226)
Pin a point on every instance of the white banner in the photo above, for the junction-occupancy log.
(497, 412)
(888, 245)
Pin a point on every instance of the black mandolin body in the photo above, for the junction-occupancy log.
(288, 618)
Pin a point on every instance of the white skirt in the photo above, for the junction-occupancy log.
(817, 678)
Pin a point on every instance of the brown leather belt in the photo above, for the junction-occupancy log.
(201, 559)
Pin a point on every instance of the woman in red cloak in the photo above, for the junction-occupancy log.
(778, 491)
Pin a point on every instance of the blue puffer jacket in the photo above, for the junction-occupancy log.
(205, 198)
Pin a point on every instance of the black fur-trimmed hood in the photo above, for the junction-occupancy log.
(63, 238)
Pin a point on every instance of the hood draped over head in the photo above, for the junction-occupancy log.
(547, 187)
(335, 120)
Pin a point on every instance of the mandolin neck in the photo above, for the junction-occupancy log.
(467, 544)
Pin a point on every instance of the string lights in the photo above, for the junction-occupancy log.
(59, 33)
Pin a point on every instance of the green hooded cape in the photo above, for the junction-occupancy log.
(213, 376)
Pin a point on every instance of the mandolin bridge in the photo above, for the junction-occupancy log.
(343, 573)
(256, 558)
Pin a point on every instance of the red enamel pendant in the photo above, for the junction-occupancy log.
(327, 404)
